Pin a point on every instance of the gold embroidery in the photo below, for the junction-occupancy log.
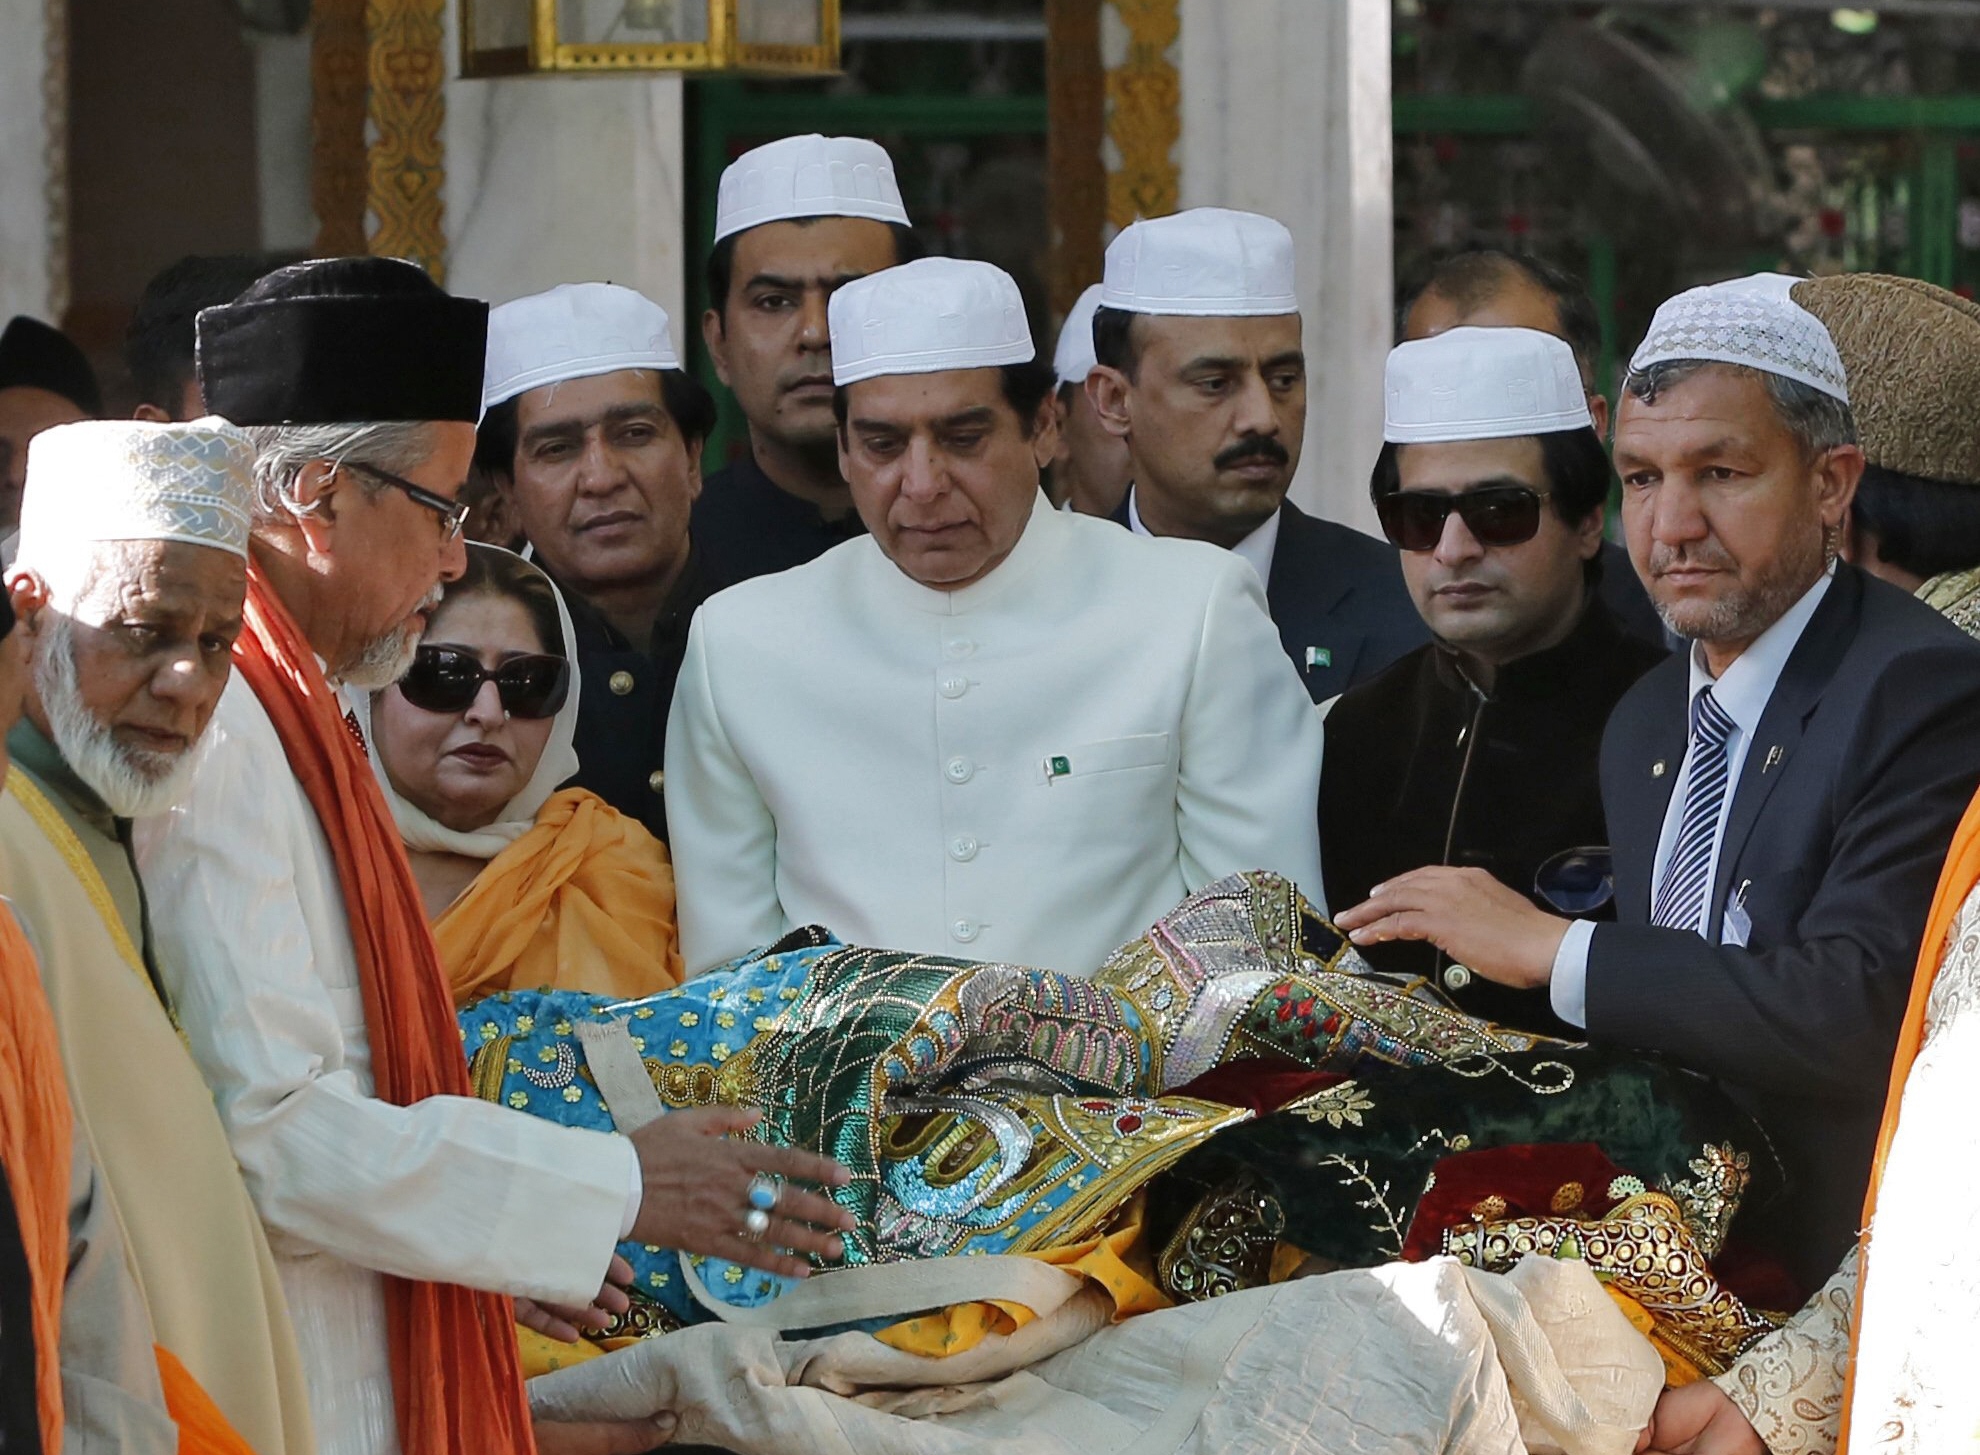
(1338, 1106)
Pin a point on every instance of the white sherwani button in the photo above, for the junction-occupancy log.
(965, 930)
(962, 848)
(954, 686)
(959, 647)
(960, 770)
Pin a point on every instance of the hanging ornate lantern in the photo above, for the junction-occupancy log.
(612, 37)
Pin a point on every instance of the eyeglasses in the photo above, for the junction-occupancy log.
(1496, 515)
(1577, 881)
(444, 679)
(453, 513)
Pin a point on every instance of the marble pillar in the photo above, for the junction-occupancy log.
(567, 179)
(1285, 111)
(34, 177)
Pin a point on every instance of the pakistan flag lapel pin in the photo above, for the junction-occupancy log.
(1318, 657)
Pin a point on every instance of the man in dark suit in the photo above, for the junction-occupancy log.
(1201, 371)
(1780, 797)
(1491, 289)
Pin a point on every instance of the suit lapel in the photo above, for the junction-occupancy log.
(1651, 763)
(1809, 670)
(1303, 602)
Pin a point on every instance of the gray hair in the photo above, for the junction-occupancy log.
(1819, 422)
(283, 451)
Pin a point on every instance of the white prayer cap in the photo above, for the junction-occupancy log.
(1751, 321)
(927, 317)
(808, 176)
(132, 480)
(1073, 360)
(1482, 384)
(1208, 262)
(572, 331)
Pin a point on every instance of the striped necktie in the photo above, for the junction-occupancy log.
(1681, 897)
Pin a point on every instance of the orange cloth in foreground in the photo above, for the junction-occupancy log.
(36, 1128)
(456, 1377)
(1956, 881)
(203, 1430)
(584, 900)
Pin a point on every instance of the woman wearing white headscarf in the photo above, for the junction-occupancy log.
(527, 886)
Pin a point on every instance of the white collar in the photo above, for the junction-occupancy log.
(1256, 548)
(1044, 532)
(1744, 690)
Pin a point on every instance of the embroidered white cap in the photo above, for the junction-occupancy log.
(133, 480)
(1751, 321)
(808, 176)
(572, 331)
(1481, 384)
(1208, 262)
(1073, 359)
(927, 317)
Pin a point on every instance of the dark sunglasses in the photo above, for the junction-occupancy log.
(442, 679)
(1496, 515)
(453, 514)
(1576, 881)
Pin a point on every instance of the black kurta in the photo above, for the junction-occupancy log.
(624, 698)
(1423, 768)
(744, 526)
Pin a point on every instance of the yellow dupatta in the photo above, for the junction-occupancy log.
(583, 900)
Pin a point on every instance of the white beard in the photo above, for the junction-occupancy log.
(386, 659)
(131, 784)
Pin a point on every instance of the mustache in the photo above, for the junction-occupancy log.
(1707, 554)
(1252, 447)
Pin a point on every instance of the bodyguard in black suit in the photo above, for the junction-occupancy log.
(1201, 371)
(1338, 600)
(1780, 797)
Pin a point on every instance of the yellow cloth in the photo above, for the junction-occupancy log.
(583, 901)
(1115, 1260)
(195, 1241)
(1678, 1370)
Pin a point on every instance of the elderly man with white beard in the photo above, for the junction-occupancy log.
(294, 941)
(128, 590)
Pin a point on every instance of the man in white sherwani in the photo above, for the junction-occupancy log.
(292, 941)
(988, 729)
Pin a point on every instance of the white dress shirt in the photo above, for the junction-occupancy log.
(1743, 694)
(253, 944)
(1257, 548)
(1031, 769)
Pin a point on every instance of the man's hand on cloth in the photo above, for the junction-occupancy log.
(1699, 1419)
(698, 1192)
(1467, 914)
(567, 1325)
(633, 1438)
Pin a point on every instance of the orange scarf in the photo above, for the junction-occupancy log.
(455, 1373)
(35, 1140)
(1956, 881)
(583, 901)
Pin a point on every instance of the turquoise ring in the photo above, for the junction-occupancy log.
(763, 1192)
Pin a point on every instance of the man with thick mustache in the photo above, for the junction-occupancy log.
(593, 435)
(128, 593)
(1201, 371)
(1779, 798)
(988, 729)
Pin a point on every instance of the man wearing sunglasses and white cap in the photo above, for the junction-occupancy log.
(794, 219)
(592, 432)
(1202, 372)
(1780, 797)
(990, 729)
(1481, 748)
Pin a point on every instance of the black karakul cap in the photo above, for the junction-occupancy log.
(343, 341)
(35, 356)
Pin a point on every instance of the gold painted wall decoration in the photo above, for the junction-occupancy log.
(1144, 98)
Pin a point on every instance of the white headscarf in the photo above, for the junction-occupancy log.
(559, 762)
